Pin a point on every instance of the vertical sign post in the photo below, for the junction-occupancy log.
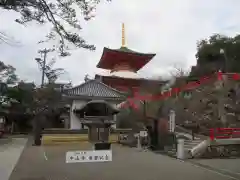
(172, 122)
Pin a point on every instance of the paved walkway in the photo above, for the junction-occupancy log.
(48, 163)
(226, 166)
(10, 151)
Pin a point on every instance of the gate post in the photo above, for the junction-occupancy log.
(172, 123)
(139, 146)
(180, 149)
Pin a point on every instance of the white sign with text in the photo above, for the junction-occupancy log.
(143, 134)
(172, 123)
(88, 156)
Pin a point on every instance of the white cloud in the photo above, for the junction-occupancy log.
(168, 28)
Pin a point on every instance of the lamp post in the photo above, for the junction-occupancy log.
(222, 86)
(222, 52)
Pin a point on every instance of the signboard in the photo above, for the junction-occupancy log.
(88, 156)
(172, 122)
(143, 134)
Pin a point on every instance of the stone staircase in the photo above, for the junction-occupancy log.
(190, 146)
(171, 151)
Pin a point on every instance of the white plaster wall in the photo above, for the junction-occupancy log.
(74, 120)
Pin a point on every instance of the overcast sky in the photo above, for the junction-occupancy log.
(169, 28)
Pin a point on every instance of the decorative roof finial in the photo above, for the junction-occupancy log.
(86, 78)
(123, 35)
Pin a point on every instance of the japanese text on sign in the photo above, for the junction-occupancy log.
(88, 156)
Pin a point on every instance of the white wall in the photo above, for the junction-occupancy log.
(74, 120)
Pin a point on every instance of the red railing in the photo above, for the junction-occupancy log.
(224, 133)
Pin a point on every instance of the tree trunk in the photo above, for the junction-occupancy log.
(38, 126)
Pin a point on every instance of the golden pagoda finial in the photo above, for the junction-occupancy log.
(123, 35)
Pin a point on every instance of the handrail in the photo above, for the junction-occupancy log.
(190, 132)
(226, 133)
(200, 147)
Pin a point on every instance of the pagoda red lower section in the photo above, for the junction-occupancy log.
(127, 84)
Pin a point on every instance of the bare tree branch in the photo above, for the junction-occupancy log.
(55, 12)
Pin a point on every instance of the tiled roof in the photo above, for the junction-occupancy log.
(94, 88)
(111, 108)
(127, 50)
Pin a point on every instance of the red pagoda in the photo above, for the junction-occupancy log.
(124, 64)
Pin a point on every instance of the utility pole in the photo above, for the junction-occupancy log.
(44, 66)
(42, 62)
(40, 117)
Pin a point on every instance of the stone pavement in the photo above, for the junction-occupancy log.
(48, 163)
(10, 151)
(226, 166)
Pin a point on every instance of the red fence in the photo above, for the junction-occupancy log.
(224, 133)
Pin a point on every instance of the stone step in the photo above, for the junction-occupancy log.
(193, 141)
(188, 148)
(191, 144)
(172, 153)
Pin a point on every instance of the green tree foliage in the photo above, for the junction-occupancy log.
(7, 74)
(22, 101)
(62, 14)
(47, 97)
(23, 93)
(209, 58)
(7, 77)
(20, 98)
